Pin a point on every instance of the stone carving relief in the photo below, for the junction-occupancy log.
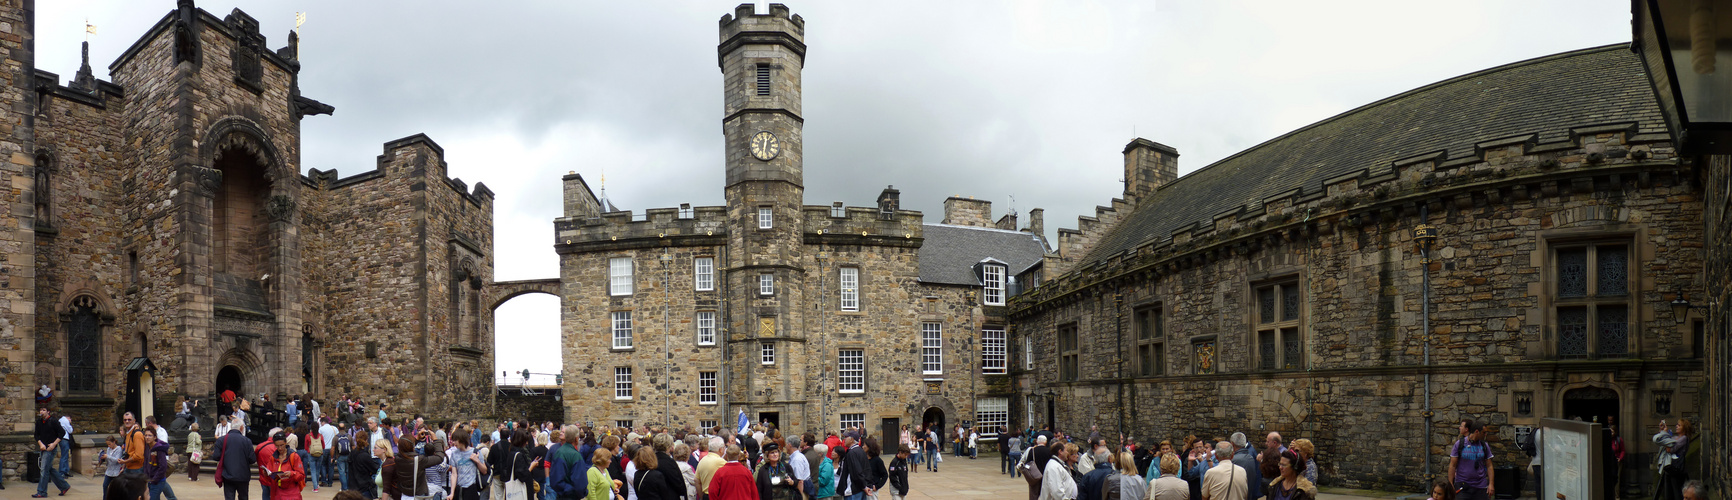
(280, 208)
(206, 181)
(249, 46)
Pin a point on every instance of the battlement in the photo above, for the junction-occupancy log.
(416, 165)
(746, 19)
(838, 225)
(682, 226)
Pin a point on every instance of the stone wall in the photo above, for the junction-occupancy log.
(1717, 325)
(540, 406)
(1494, 335)
(17, 243)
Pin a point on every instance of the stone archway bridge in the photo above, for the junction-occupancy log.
(498, 292)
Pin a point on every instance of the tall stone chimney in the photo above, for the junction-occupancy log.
(962, 211)
(1148, 166)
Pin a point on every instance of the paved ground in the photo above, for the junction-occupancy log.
(956, 478)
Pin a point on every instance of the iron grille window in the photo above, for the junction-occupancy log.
(622, 384)
(619, 276)
(850, 280)
(1068, 348)
(766, 284)
(704, 273)
(851, 371)
(991, 415)
(765, 219)
(1592, 286)
(1150, 329)
(931, 349)
(767, 353)
(993, 276)
(622, 329)
(84, 347)
(1278, 325)
(992, 351)
(706, 321)
(763, 79)
(707, 388)
(853, 420)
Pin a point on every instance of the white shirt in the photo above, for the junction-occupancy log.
(630, 479)
(66, 424)
(316, 412)
(327, 432)
(802, 467)
(161, 434)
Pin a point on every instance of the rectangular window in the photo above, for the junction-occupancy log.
(765, 220)
(767, 353)
(763, 83)
(623, 423)
(686, 211)
(991, 415)
(851, 371)
(1068, 349)
(766, 284)
(992, 354)
(622, 382)
(853, 420)
(850, 288)
(1151, 354)
(1277, 332)
(931, 349)
(836, 210)
(706, 388)
(993, 277)
(621, 329)
(706, 424)
(619, 276)
(704, 273)
(1027, 353)
(706, 321)
(1592, 300)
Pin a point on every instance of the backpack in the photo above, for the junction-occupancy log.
(344, 444)
(317, 445)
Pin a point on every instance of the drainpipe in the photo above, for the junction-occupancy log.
(667, 338)
(1425, 235)
(1119, 328)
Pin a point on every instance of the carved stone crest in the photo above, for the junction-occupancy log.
(249, 45)
(205, 181)
(280, 208)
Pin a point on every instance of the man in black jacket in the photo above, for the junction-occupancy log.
(235, 452)
(751, 446)
(855, 477)
(499, 461)
(48, 435)
(669, 468)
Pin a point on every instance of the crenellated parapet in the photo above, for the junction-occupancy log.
(1588, 159)
(871, 226)
(656, 227)
(416, 155)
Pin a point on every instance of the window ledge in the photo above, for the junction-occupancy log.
(851, 394)
(622, 349)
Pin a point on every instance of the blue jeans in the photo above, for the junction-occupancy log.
(65, 456)
(856, 496)
(307, 463)
(50, 473)
(328, 469)
(1015, 458)
(158, 488)
(343, 473)
(932, 462)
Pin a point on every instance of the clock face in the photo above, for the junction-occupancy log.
(765, 147)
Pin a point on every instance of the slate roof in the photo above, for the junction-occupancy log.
(949, 252)
(1546, 95)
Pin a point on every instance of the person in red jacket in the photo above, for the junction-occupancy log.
(266, 453)
(288, 475)
(733, 481)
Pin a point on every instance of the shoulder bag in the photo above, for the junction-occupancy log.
(514, 489)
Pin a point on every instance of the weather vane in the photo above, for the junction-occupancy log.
(300, 19)
(89, 29)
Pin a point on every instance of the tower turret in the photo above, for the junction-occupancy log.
(761, 57)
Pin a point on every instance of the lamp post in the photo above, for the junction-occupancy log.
(1681, 43)
(1424, 238)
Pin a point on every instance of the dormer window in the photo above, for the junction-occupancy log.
(836, 210)
(685, 210)
(992, 278)
(763, 80)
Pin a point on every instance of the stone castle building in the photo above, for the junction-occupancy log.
(165, 216)
(1281, 288)
(810, 316)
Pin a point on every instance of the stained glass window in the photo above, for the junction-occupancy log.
(1573, 332)
(1266, 301)
(1573, 272)
(1614, 330)
(1614, 277)
(1266, 349)
(84, 344)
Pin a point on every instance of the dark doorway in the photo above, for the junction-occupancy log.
(1050, 406)
(934, 419)
(892, 435)
(229, 378)
(1590, 404)
(770, 417)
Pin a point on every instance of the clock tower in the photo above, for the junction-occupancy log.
(763, 266)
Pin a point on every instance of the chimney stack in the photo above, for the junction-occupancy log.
(1148, 166)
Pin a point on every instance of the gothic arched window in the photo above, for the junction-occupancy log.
(84, 347)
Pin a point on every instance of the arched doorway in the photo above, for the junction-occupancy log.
(934, 419)
(230, 378)
(1590, 404)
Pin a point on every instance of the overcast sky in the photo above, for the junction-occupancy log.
(1026, 99)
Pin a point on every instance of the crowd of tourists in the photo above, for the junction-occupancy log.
(1058, 466)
